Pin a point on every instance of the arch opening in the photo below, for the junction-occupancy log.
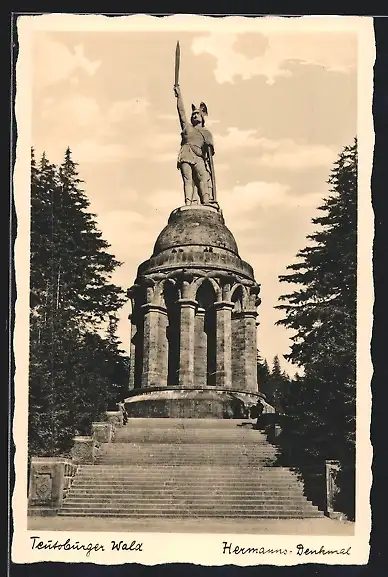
(205, 329)
(171, 296)
(237, 299)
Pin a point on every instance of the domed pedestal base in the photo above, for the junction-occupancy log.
(191, 403)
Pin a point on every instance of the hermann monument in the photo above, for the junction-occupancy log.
(194, 301)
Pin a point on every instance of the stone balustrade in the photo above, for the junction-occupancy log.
(103, 432)
(116, 418)
(84, 450)
(332, 469)
(51, 477)
(50, 480)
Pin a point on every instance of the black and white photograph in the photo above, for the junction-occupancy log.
(194, 289)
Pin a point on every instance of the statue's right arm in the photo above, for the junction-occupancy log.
(180, 107)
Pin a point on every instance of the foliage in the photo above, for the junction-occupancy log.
(273, 383)
(321, 310)
(263, 375)
(75, 370)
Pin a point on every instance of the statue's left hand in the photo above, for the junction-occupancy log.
(176, 90)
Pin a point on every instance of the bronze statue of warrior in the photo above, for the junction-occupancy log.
(195, 159)
(196, 150)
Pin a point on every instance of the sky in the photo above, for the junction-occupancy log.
(282, 104)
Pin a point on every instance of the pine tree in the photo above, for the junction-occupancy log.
(322, 314)
(327, 274)
(263, 374)
(84, 266)
(279, 383)
(118, 362)
(72, 296)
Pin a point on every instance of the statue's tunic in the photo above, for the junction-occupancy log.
(193, 145)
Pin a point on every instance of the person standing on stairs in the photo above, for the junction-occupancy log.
(122, 408)
(257, 414)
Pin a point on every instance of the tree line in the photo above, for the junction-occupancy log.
(274, 383)
(319, 407)
(77, 368)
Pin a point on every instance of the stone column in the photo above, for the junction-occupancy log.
(245, 351)
(250, 353)
(238, 350)
(186, 342)
(153, 364)
(163, 348)
(224, 344)
(132, 354)
(200, 354)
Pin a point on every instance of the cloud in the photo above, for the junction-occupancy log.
(89, 150)
(76, 109)
(258, 202)
(168, 117)
(163, 201)
(283, 153)
(174, 118)
(55, 62)
(236, 139)
(244, 198)
(115, 133)
(125, 109)
(165, 157)
(288, 155)
(333, 51)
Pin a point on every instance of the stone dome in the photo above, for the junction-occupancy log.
(195, 225)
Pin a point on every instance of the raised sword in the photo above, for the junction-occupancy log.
(177, 63)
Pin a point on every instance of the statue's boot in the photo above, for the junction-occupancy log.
(205, 198)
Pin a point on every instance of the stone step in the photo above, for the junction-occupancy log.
(187, 513)
(236, 444)
(188, 470)
(189, 455)
(254, 476)
(166, 457)
(186, 449)
(214, 500)
(244, 461)
(182, 423)
(197, 491)
(178, 452)
(189, 436)
(199, 488)
(169, 476)
(154, 461)
(221, 509)
(173, 472)
(211, 504)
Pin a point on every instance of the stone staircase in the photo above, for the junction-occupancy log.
(186, 468)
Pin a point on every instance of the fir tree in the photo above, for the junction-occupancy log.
(279, 383)
(83, 265)
(263, 374)
(72, 296)
(322, 314)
